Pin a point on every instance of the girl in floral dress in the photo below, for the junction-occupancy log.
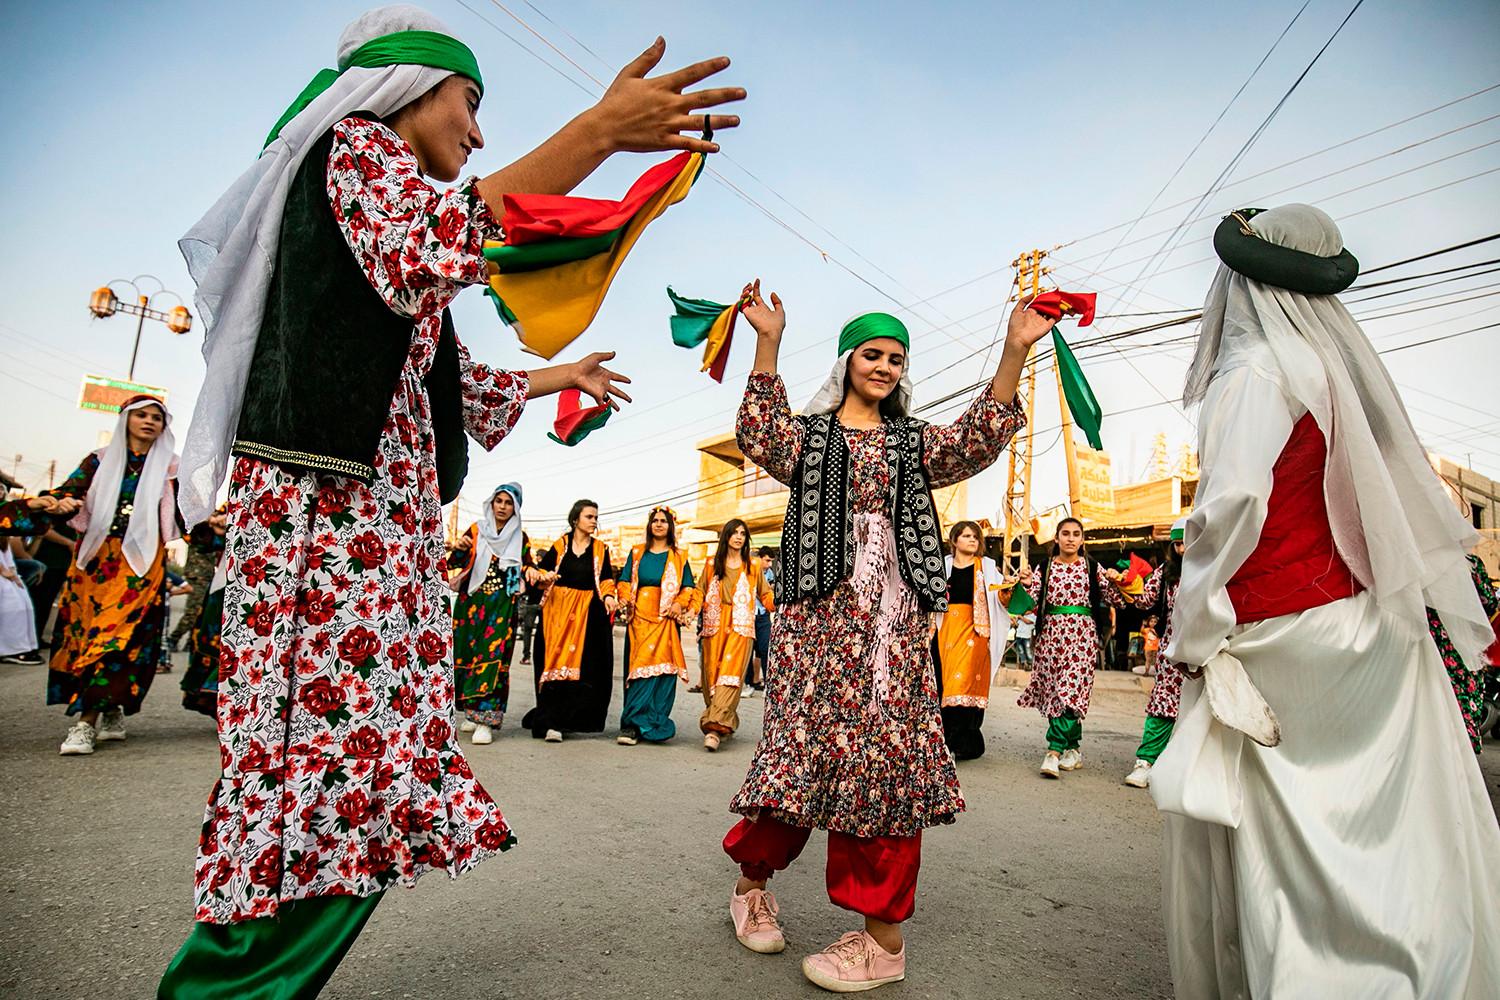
(734, 585)
(1160, 593)
(484, 620)
(338, 384)
(1467, 680)
(107, 642)
(1071, 594)
(853, 742)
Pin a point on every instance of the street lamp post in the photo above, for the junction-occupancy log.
(105, 303)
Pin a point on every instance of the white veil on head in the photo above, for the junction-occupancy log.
(143, 533)
(1392, 520)
(231, 251)
(501, 544)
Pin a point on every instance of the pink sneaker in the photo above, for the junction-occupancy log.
(754, 916)
(854, 963)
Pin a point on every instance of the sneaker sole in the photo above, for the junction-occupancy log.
(841, 986)
(1050, 774)
(74, 752)
(625, 741)
(108, 737)
(763, 947)
(1137, 784)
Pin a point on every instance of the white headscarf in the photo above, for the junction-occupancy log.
(232, 250)
(501, 544)
(1392, 521)
(143, 534)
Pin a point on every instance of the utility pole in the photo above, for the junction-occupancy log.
(1018, 483)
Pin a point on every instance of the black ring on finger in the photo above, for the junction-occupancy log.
(708, 130)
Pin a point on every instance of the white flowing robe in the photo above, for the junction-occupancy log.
(1358, 858)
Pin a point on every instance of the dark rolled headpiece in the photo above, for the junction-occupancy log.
(1246, 252)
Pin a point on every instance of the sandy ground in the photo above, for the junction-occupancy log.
(618, 886)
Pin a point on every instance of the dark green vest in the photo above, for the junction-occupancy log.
(330, 351)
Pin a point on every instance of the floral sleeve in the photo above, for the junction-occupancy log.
(416, 245)
(767, 432)
(1151, 592)
(17, 518)
(492, 399)
(76, 486)
(956, 451)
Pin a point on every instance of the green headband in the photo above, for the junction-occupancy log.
(1245, 251)
(401, 48)
(869, 327)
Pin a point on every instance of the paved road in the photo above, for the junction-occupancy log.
(617, 888)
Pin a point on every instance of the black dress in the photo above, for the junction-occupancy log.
(960, 722)
(579, 706)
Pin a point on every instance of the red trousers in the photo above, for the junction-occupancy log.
(873, 876)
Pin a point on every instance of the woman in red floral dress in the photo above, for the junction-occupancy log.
(341, 770)
(853, 740)
(1067, 642)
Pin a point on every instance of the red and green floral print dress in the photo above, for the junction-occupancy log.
(844, 749)
(1468, 685)
(1166, 692)
(1066, 650)
(341, 771)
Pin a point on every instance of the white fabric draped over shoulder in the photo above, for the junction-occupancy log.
(1392, 520)
(231, 251)
(999, 617)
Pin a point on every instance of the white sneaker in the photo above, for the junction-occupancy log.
(553, 736)
(711, 742)
(483, 735)
(80, 741)
(467, 726)
(111, 725)
(1141, 776)
(749, 692)
(1071, 760)
(1049, 765)
(627, 738)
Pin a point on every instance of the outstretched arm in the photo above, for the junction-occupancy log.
(637, 114)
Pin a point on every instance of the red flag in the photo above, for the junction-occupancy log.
(1060, 305)
(531, 217)
(1139, 569)
(574, 420)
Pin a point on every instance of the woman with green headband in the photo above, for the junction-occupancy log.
(339, 387)
(853, 739)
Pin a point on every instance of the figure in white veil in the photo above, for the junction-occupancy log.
(1327, 829)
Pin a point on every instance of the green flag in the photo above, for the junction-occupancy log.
(1020, 602)
(693, 319)
(1075, 388)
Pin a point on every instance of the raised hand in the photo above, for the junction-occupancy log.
(768, 321)
(641, 114)
(591, 377)
(1025, 326)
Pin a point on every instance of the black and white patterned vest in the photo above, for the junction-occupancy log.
(817, 538)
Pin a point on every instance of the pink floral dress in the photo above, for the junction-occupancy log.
(844, 749)
(1066, 650)
(341, 771)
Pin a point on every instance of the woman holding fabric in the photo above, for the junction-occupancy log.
(1327, 828)
(733, 585)
(970, 640)
(1072, 593)
(338, 385)
(853, 740)
(493, 561)
(107, 642)
(656, 590)
(574, 651)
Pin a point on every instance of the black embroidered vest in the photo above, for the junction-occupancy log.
(330, 351)
(817, 538)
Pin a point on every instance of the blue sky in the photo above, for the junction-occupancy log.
(921, 146)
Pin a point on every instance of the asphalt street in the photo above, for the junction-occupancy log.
(618, 886)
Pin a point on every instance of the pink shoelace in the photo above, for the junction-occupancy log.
(850, 950)
(761, 912)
